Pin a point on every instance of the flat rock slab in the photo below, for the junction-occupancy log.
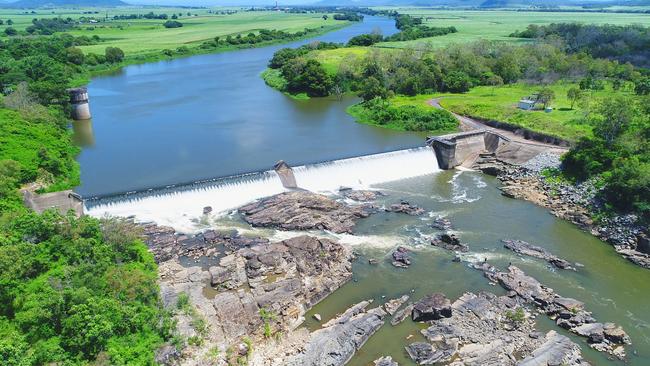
(336, 343)
(556, 350)
(302, 210)
(524, 248)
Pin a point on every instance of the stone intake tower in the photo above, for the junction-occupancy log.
(79, 101)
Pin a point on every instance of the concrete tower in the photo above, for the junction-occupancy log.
(79, 101)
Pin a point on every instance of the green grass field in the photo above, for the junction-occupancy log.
(500, 104)
(497, 25)
(138, 37)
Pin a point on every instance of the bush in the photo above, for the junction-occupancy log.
(114, 55)
(365, 40)
(172, 24)
(10, 31)
(407, 117)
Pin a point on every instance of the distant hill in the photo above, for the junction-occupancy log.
(61, 3)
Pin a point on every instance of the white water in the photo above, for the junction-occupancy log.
(180, 209)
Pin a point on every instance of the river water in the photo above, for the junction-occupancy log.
(211, 116)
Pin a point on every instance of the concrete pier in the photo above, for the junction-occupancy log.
(79, 102)
(286, 174)
(463, 148)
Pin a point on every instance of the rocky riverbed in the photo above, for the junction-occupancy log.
(255, 289)
(238, 298)
(576, 203)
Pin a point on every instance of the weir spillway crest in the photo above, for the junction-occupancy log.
(176, 204)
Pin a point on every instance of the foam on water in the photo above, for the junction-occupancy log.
(180, 206)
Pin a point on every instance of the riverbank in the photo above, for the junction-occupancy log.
(183, 51)
(576, 203)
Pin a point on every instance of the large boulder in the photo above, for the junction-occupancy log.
(432, 307)
(302, 210)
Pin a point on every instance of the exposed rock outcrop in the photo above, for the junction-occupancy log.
(557, 350)
(401, 257)
(524, 248)
(449, 242)
(259, 285)
(442, 223)
(568, 313)
(302, 210)
(431, 307)
(391, 306)
(340, 338)
(407, 208)
(166, 244)
(385, 361)
(576, 203)
(482, 330)
(361, 195)
(402, 314)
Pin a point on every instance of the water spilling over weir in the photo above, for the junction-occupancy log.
(177, 205)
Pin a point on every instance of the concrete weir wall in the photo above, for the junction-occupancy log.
(458, 148)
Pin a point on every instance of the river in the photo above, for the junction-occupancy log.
(211, 116)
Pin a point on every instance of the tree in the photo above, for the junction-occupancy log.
(642, 86)
(545, 96)
(457, 82)
(574, 94)
(372, 88)
(325, 17)
(616, 115)
(10, 22)
(75, 55)
(10, 31)
(492, 79)
(114, 54)
(172, 24)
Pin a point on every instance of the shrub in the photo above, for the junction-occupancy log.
(114, 55)
(172, 24)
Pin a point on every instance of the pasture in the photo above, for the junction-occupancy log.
(138, 37)
(496, 25)
(500, 104)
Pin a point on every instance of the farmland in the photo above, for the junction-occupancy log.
(497, 25)
(144, 39)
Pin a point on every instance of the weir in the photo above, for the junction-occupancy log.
(178, 206)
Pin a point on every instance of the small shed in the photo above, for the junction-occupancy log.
(62, 201)
(526, 104)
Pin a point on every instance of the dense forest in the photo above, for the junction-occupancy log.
(629, 43)
(72, 289)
